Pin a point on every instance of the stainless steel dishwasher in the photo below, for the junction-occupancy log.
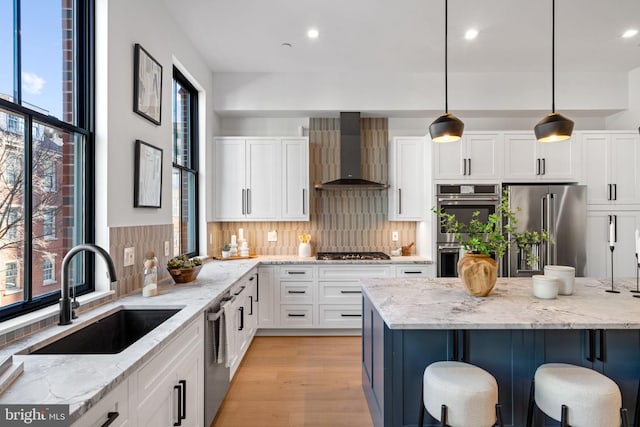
(216, 382)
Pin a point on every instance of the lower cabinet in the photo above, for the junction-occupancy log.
(112, 410)
(242, 312)
(169, 389)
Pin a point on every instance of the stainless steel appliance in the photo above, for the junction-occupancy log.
(216, 381)
(560, 209)
(461, 200)
(348, 256)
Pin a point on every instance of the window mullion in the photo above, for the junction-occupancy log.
(17, 53)
(27, 215)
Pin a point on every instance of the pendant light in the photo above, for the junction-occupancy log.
(447, 127)
(555, 126)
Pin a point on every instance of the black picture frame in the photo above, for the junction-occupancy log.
(147, 189)
(147, 85)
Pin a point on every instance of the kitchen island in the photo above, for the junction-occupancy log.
(410, 323)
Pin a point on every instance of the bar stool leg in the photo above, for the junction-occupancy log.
(623, 416)
(499, 415)
(422, 408)
(531, 403)
(563, 417)
(443, 416)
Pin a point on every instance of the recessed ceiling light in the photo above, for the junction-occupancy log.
(313, 33)
(629, 33)
(471, 34)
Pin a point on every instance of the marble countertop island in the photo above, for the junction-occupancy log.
(444, 304)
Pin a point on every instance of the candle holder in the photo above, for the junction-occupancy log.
(612, 291)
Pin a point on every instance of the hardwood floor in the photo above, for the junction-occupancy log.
(297, 381)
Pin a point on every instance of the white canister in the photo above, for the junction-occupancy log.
(304, 250)
(565, 273)
(545, 287)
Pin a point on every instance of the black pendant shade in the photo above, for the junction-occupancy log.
(554, 127)
(446, 128)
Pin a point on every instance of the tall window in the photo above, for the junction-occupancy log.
(185, 166)
(46, 164)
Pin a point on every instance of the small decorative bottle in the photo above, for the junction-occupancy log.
(150, 275)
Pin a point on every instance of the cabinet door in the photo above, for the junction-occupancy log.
(448, 160)
(406, 194)
(229, 178)
(598, 253)
(263, 174)
(520, 162)
(558, 160)
(484, 155)
(265, 297)
(624, 163)
(595, 168)
(295, 179)
(190, 376)
(116, 402)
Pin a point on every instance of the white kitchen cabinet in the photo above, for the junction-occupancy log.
(265, 296)
(611, 167)
(407, 183)
(242, 312)
(598, 252)
(295, 179)
(114, 406)
(169, 388)
(526, 159)
(248, 179)
(477, 156)
(415, 270)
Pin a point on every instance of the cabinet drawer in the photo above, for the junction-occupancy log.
(413, 271)
(340, 292)
(116, 401)
(354, 271)
(340, 316)
(296, 316)
(296, 292)
(296, 273)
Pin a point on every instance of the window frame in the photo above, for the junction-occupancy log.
(84, 126)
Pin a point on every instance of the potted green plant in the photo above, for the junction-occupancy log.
(484, 242)
(184, 269)
(226, 250)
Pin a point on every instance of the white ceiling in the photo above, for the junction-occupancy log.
(408, 35)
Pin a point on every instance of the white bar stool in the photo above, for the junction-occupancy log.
(576, 396)
(458, 394)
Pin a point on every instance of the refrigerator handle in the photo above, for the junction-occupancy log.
(550, 256)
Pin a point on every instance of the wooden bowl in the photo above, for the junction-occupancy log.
(184, 275)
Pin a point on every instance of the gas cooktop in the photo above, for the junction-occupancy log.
(330, 256)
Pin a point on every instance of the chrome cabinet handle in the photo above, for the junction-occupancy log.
(244, 211)
(304, 205)
(399, 201)
(248, 201)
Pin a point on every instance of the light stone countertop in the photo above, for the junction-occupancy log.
(82, 380)
(420, 303)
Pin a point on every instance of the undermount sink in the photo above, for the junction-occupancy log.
(111, 334)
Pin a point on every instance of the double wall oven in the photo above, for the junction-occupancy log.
(461, 200)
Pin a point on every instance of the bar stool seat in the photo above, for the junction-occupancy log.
(460, 395)
(576, 396)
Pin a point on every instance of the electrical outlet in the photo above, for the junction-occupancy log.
(394, 236)
(129, 257)
(272, 236)
(166, 248)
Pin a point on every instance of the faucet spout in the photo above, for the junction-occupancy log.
(66, 308)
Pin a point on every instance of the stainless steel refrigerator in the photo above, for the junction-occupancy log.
(560, 209)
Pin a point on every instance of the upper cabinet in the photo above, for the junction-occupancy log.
(611, 163)
(407, 174)
(526, 159)
(477, 156)
(261, 179)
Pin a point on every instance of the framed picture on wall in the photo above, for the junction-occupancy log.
(147, 85)
(147, 191)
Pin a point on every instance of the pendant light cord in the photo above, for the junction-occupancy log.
(446, 57)
(553, 56)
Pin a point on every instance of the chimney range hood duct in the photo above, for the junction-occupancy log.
(350, 159)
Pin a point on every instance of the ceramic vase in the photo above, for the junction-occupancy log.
(478, 273)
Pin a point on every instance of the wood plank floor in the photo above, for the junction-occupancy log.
(297, 381)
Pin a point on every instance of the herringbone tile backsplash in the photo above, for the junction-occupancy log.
(343, 220)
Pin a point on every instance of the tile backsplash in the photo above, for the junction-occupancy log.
(340, 220)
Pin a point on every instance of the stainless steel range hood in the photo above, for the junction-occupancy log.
(350, 159)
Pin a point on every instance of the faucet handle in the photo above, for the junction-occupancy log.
(75, 304)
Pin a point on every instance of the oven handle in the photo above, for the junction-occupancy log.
(456, 200)
(449, 249)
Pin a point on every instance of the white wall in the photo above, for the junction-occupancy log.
(629, 119)
(263, 126)
(489, 93)
(121, 24)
